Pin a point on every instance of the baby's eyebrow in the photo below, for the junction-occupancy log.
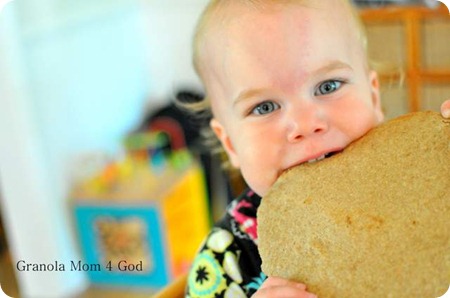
(249, 93)
(333, 65)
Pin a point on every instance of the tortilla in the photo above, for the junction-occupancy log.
(371, 221)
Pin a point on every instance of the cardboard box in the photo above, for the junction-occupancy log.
(145, 232)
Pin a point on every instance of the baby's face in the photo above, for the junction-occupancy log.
(287, 87)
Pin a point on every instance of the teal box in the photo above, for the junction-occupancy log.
(122, 245)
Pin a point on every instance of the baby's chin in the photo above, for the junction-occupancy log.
(257, 181)
(260, 189)
(260, 193)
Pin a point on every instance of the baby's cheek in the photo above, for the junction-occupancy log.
(359, 123)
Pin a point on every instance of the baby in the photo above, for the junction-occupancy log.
(288, 82)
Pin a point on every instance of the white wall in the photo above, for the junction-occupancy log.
(170, 30)
(74, 78)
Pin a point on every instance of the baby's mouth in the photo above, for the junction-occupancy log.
(313, 160)
(319, 158)
(329, 154)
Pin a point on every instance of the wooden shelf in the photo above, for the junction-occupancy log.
(404, 29)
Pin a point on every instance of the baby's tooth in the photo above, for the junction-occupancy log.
(316, 159)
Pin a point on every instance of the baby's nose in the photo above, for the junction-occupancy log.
(306, 122)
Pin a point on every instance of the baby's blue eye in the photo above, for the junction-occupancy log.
(328, 87)
(265, 108)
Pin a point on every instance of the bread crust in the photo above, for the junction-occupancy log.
(372, 221)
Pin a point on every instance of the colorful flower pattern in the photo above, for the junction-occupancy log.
(228, 264)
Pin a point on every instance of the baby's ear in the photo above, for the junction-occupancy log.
(375, 94)
(225, 140)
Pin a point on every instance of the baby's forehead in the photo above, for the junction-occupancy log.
(219, 23)
(221, 15)
(226, 38)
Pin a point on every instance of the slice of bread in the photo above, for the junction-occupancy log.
(372, 221)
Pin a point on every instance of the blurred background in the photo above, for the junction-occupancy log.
(98, 166)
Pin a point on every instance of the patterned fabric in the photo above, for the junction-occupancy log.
(228, 264)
